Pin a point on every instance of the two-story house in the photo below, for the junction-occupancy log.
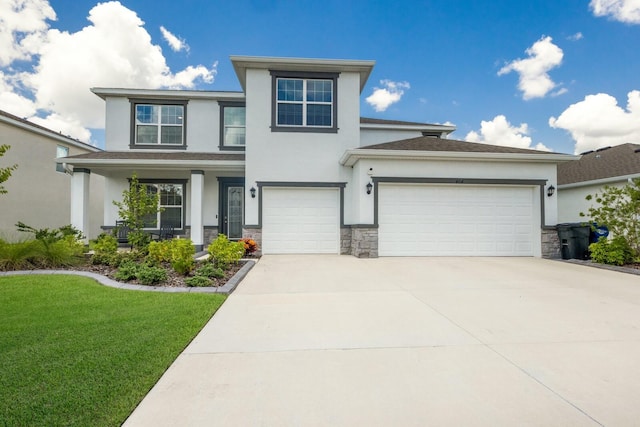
(290, 162)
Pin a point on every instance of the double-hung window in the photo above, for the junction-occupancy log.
(305, 102)
(159, 124)
(233, 128)
(171, 205)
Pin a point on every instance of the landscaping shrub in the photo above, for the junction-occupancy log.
(250, 246)
(182, 252)
(149, 275)
(198, 281)
(18, 255)
(104, 244)
(160, 252)
(61, 253)
(225, 252)
(127, 271)
(614, 252)
(209, 270)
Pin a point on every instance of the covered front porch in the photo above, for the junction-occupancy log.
(201, 194)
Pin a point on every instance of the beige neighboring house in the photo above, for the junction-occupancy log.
(612, 166)
(39, 190)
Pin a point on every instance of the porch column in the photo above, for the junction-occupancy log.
(197, 192)
(80, 200)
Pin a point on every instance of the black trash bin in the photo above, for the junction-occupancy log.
(574, 240)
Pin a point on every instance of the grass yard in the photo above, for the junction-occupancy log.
(76, 353)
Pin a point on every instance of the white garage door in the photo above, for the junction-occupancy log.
(300, 220)
(456, 220)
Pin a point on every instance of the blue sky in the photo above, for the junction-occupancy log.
(563, 76)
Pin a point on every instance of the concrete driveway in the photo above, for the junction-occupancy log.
(341, 341)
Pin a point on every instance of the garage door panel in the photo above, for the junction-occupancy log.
(300, 220)
(447, 220)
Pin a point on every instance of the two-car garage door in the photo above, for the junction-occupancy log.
(456, 220)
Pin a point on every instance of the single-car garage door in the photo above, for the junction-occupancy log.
(300, 220)
(456, 220)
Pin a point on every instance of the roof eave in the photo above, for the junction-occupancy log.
(242, 63)
(419, 128)
(602, 181)
(104, 93)
(350, 157)
(155, 163)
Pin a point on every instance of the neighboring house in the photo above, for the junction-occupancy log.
(289, 162)
(39, 190)
(612, 166)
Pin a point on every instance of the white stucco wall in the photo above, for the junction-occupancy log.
(296, 156)
(202, 128)
(572, 201)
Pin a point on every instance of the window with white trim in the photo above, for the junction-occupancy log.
(61, 151)
(171, 205)
(157, 124)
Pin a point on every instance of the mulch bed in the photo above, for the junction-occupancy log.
(173, 280)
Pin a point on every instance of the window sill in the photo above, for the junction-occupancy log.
(156, 147)
(303, 129)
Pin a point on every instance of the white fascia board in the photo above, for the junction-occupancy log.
(418, 128)
(165, 93)
(158, 164)
(242, 63)
(350, 157)
(48, 133)
(603, 181)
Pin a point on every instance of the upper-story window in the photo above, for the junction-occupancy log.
(159, 124)
(304, 102)
(233, 126)
(61, 151)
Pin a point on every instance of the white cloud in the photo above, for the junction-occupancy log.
(114, 50)
(500, 132)
(176, 44)
(535, 81)
(22, 26)
(627, 11)
(598, 121)
(389, 93)
(575, 37)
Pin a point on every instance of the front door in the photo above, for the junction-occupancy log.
(231, 207)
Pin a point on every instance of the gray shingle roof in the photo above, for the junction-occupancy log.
(151, 155)
(425, 143)
(620, 160)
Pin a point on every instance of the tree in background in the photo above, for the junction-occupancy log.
(5, 173)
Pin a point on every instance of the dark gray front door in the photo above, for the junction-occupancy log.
(232, 207)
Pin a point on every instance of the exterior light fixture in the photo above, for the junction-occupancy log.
(253, 192)
(551, 190)
(369, 188)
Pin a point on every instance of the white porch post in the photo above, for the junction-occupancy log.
(197, 193)
(80, 200)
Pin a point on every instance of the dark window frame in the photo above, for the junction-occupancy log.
(181, 182)
(303, 75)
(143, 101)
(222, 105)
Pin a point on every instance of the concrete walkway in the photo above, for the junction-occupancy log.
(340, 341)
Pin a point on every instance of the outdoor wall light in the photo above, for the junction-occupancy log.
(551, 190)
(253, 192)
(369, 188)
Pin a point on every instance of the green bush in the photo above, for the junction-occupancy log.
(18, 255)
(209, 270)
(182, 252)
(160, 252)
(104, 244)
(148, 275)
(127, 271)
(616, 251)
(62, 253)
(50, 236)
(225, 252)
(198, 281)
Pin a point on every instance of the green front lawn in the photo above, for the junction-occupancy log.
(76, 353)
